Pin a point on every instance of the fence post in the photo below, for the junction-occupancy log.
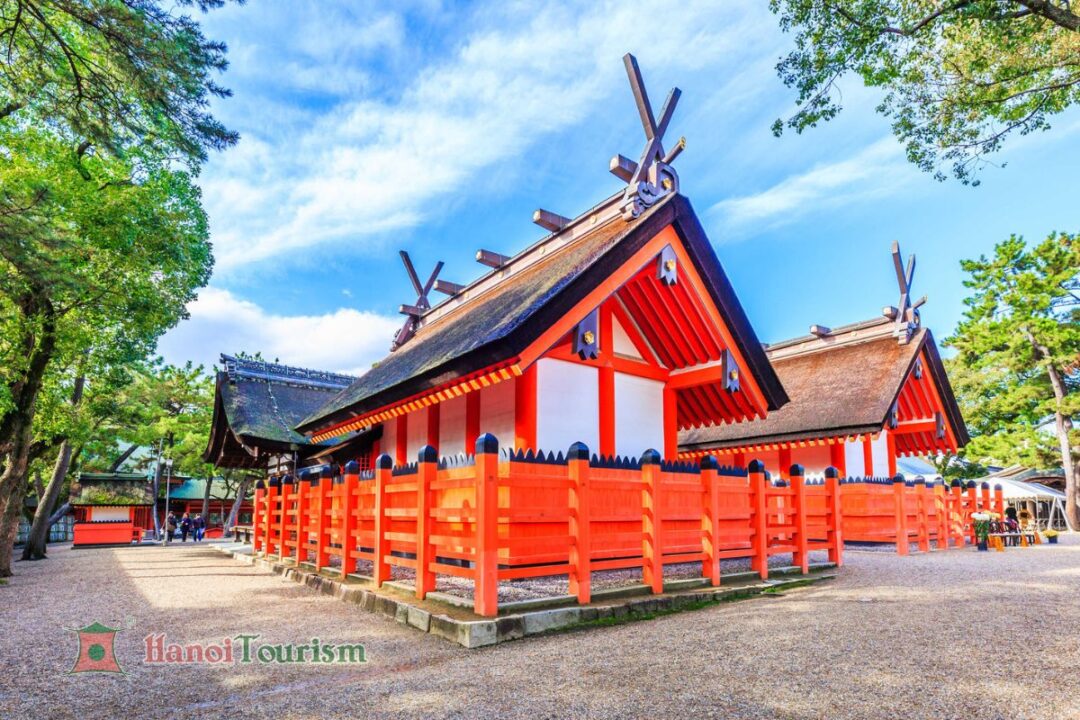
(652, 549)
(486, 584)
(985, 500)
(272, 492)
(801, 556)
(999, 500)
(922, 516)
(426, 469)
(899, 490)
(972, 506)
(956, 504)
(348, 525)
(326, 486)
(258, 515)
(759, 504)
(380, 570)
(286, 488)
(835, 534)
(942, 515)
(577, 460)
(710, 520)
(303, 506)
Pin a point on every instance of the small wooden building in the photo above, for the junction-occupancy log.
(862, 395)
(257, 404)
(111, 508)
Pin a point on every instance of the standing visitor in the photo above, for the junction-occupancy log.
(200, 527)
(170, 528)
(185, 527)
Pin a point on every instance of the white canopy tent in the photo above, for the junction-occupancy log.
(1047, 504)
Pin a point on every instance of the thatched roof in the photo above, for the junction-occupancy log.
(502, 321)
(841, 389)
(257, 405)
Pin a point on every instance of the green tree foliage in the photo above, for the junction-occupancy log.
(121, 75)
(959, 77)
(103, 119)
(1017, 372)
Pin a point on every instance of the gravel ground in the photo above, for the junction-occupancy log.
(952, 635)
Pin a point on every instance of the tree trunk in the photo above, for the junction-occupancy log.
(39, 530)
(206, 498)
(241, 494)
(1063, 426)
(16, 425)
(123, 456)
(36, 543)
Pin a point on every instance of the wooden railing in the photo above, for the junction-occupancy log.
(890, 510)
(501, 516)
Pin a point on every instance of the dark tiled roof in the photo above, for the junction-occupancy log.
(257, 405)
(846, 389)
(502, 322)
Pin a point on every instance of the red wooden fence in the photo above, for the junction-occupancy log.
(500, 516)
(883, 510)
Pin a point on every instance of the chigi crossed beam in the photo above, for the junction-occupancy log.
(415, 311)
(906, 313)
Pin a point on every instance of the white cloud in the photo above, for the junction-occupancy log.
(373, 164)
(877, 170)
(345, 340)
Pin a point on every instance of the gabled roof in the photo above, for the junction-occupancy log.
(504, 318)
(111, 489)
(257, 405)
(842, 385)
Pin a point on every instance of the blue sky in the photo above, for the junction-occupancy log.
(439, 128)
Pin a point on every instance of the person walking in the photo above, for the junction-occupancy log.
(170, 528)
(185, 527)
(199, 527)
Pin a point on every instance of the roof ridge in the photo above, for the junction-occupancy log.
(240, 368)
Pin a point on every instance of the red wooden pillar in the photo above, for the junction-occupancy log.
(401, 436)
(472, 421)
(838, 458)
(426, 470)
(607, 410)
(580, 536)
(899, 491)
(303, 504)
(868, 456)
(671, 424)
(759, 518)
(972, 506)
(322, 521)
(890, 451)
(999, 500)
(433, 413)
(652, 549)
(286, 487)
(525, 409)
(486, 565)
(835, 522)
(922, 500)
(956, 514)
(801, 556)
(348, 511)
(380, 571)
(984, 500)
(941, 507)
(710, 520)
(258, 517)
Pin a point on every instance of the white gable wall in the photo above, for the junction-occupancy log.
(567, 405)
(452, 427)
(496, 412)
(639, 414)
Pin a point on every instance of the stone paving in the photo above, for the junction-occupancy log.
(958, 634)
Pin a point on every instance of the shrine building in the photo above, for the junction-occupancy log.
(862, 395)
